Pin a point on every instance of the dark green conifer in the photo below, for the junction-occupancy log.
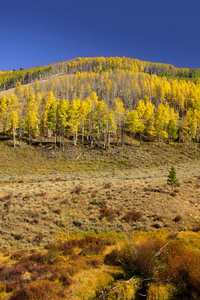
(172, 179)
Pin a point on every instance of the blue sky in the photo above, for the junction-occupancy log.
(42, 32)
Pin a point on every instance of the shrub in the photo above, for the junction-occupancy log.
(18, 237)
(7, 197)
(158, 218)
(146, 258)
(160, 292)
(17, 255)
(65, 201)
(37, 257)
(133, 216)
(2, 288)
(77, 189)
(42, 194)
(65, 280)
(57, 211)
(178, 218)
(182, 267)
(94, 262)
(39, 290)
(34, 221)
(93, 194)
(39, 236)
(7, 204)
(93, 249)
(109, 213)
(113, 258)
(173, 194)
(108, 185)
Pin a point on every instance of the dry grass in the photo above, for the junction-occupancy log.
(39, 207)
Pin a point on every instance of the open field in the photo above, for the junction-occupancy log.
(63, 213)
(44, 192)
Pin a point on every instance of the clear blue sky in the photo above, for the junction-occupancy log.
(42, 32)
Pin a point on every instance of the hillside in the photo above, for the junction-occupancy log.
(99, 101)
(86, 147)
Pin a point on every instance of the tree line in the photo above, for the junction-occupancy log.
(32, 113)
(8, 79)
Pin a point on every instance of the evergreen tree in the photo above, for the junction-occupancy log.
(172, 179)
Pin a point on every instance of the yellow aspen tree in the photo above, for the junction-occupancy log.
(172, 127)
(174, 88)
(133, 122)
(190, 124)
(145, 111)
(88, 121)
(12, 116)
(38, 99)
(18, 89)
(74, 121)
(3, 106)
(111, 127)
(84, 111)
(108, 85)
(92, 105)
(162, 118)
(148, 116)
(63, 115)
(47, 103)
(26, 93)
(32, 118)
(36, 86)
(100, 119)
(120, 118)
(52, 119)
(88, 88)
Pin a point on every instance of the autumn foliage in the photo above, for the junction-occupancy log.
(96, 100)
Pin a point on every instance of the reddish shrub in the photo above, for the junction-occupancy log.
(109, 213)
(18, 255)
(65, 201)
(7, 204)
(113, 258)
(18, 237)
(93, 249)
(146, 258)
(77, 189)
(54, 276)
(66, 248)
(57, 211)
(7, 197)
(94, 194)
(38, 257)
(39, 290)
(178, 218)
(42, 194)
(65, 280)
(39, 236)
(133, 216)
(12, 273)
(182, 266)
(108, 185)
(94, 262)
(34, 221)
